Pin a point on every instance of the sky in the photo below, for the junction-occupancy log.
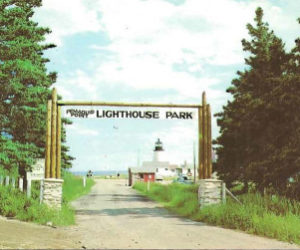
(153, 51)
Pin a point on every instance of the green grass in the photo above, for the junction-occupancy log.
(73, 187)
(270, 216)
(122, 176)
(14, 203)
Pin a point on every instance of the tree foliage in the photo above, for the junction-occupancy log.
(24, 80)
(260, 140)
(15, 155)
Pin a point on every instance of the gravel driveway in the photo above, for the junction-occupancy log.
(114, 215)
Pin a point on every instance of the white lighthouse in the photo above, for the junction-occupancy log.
(158, 151)
(158, 165)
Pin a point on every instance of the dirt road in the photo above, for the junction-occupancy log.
(115, 216)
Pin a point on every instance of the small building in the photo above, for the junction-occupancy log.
(158, 169)
(140, 174)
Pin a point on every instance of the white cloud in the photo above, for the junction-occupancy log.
(67, 18)
(164, 30)
(149, 37)
(81, 130)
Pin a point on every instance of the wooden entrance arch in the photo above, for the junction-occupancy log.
(53, 134)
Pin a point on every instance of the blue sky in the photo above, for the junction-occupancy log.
(160, 51)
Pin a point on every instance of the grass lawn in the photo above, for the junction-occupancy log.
(269, 216)
(14, 203)
(73, 187)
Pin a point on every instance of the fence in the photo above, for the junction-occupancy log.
(11, 181)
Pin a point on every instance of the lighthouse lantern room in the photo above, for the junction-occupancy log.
(158, 150)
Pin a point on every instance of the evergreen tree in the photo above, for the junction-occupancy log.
(257, 141)
(66, 159)
(24, 80)
(23, 76)
(13, 155)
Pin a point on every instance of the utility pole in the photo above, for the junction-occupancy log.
(194, 156)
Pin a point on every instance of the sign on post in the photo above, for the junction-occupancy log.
(37, 174)
(38, 171)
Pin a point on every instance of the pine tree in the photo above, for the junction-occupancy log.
(23, 77)
(253, 142)
(24, 80)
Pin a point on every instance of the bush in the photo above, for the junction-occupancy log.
(271, 216)
(14, 203)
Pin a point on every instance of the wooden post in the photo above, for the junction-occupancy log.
(223, 190)
(58, 143)
(48, 141)
(194, 162)
(84, 181)
(7, 181)
(129, 177)
(200, 143)
(209, 143)
(204, 122)
(41, 191)
(53, 134)
(28, 188)
(21, 184)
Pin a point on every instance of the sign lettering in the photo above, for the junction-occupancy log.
(131, 114)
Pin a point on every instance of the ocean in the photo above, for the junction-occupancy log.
(108, 172)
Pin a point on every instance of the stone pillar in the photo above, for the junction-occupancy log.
(209, 192)
(52, 192)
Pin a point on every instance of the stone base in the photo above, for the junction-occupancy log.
(209, 192)
(52, 192)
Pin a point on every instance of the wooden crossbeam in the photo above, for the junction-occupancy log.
(119, 104)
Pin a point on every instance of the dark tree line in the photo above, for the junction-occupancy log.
(260, 127)
(24, 86)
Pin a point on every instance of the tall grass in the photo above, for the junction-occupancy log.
(73, 186)
(270, 216)
(14, 203)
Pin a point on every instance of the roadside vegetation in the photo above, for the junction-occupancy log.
(270, 216)
(114, 176)
(15, 204)
(73, 186)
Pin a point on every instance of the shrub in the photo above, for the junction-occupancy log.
(14, 203)
(271, 216)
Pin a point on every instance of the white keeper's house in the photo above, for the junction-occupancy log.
(159, 167)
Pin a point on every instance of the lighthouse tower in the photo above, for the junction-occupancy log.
(158, 150)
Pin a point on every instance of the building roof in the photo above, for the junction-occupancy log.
(155, 164)
(173, 166)
(143, 170)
